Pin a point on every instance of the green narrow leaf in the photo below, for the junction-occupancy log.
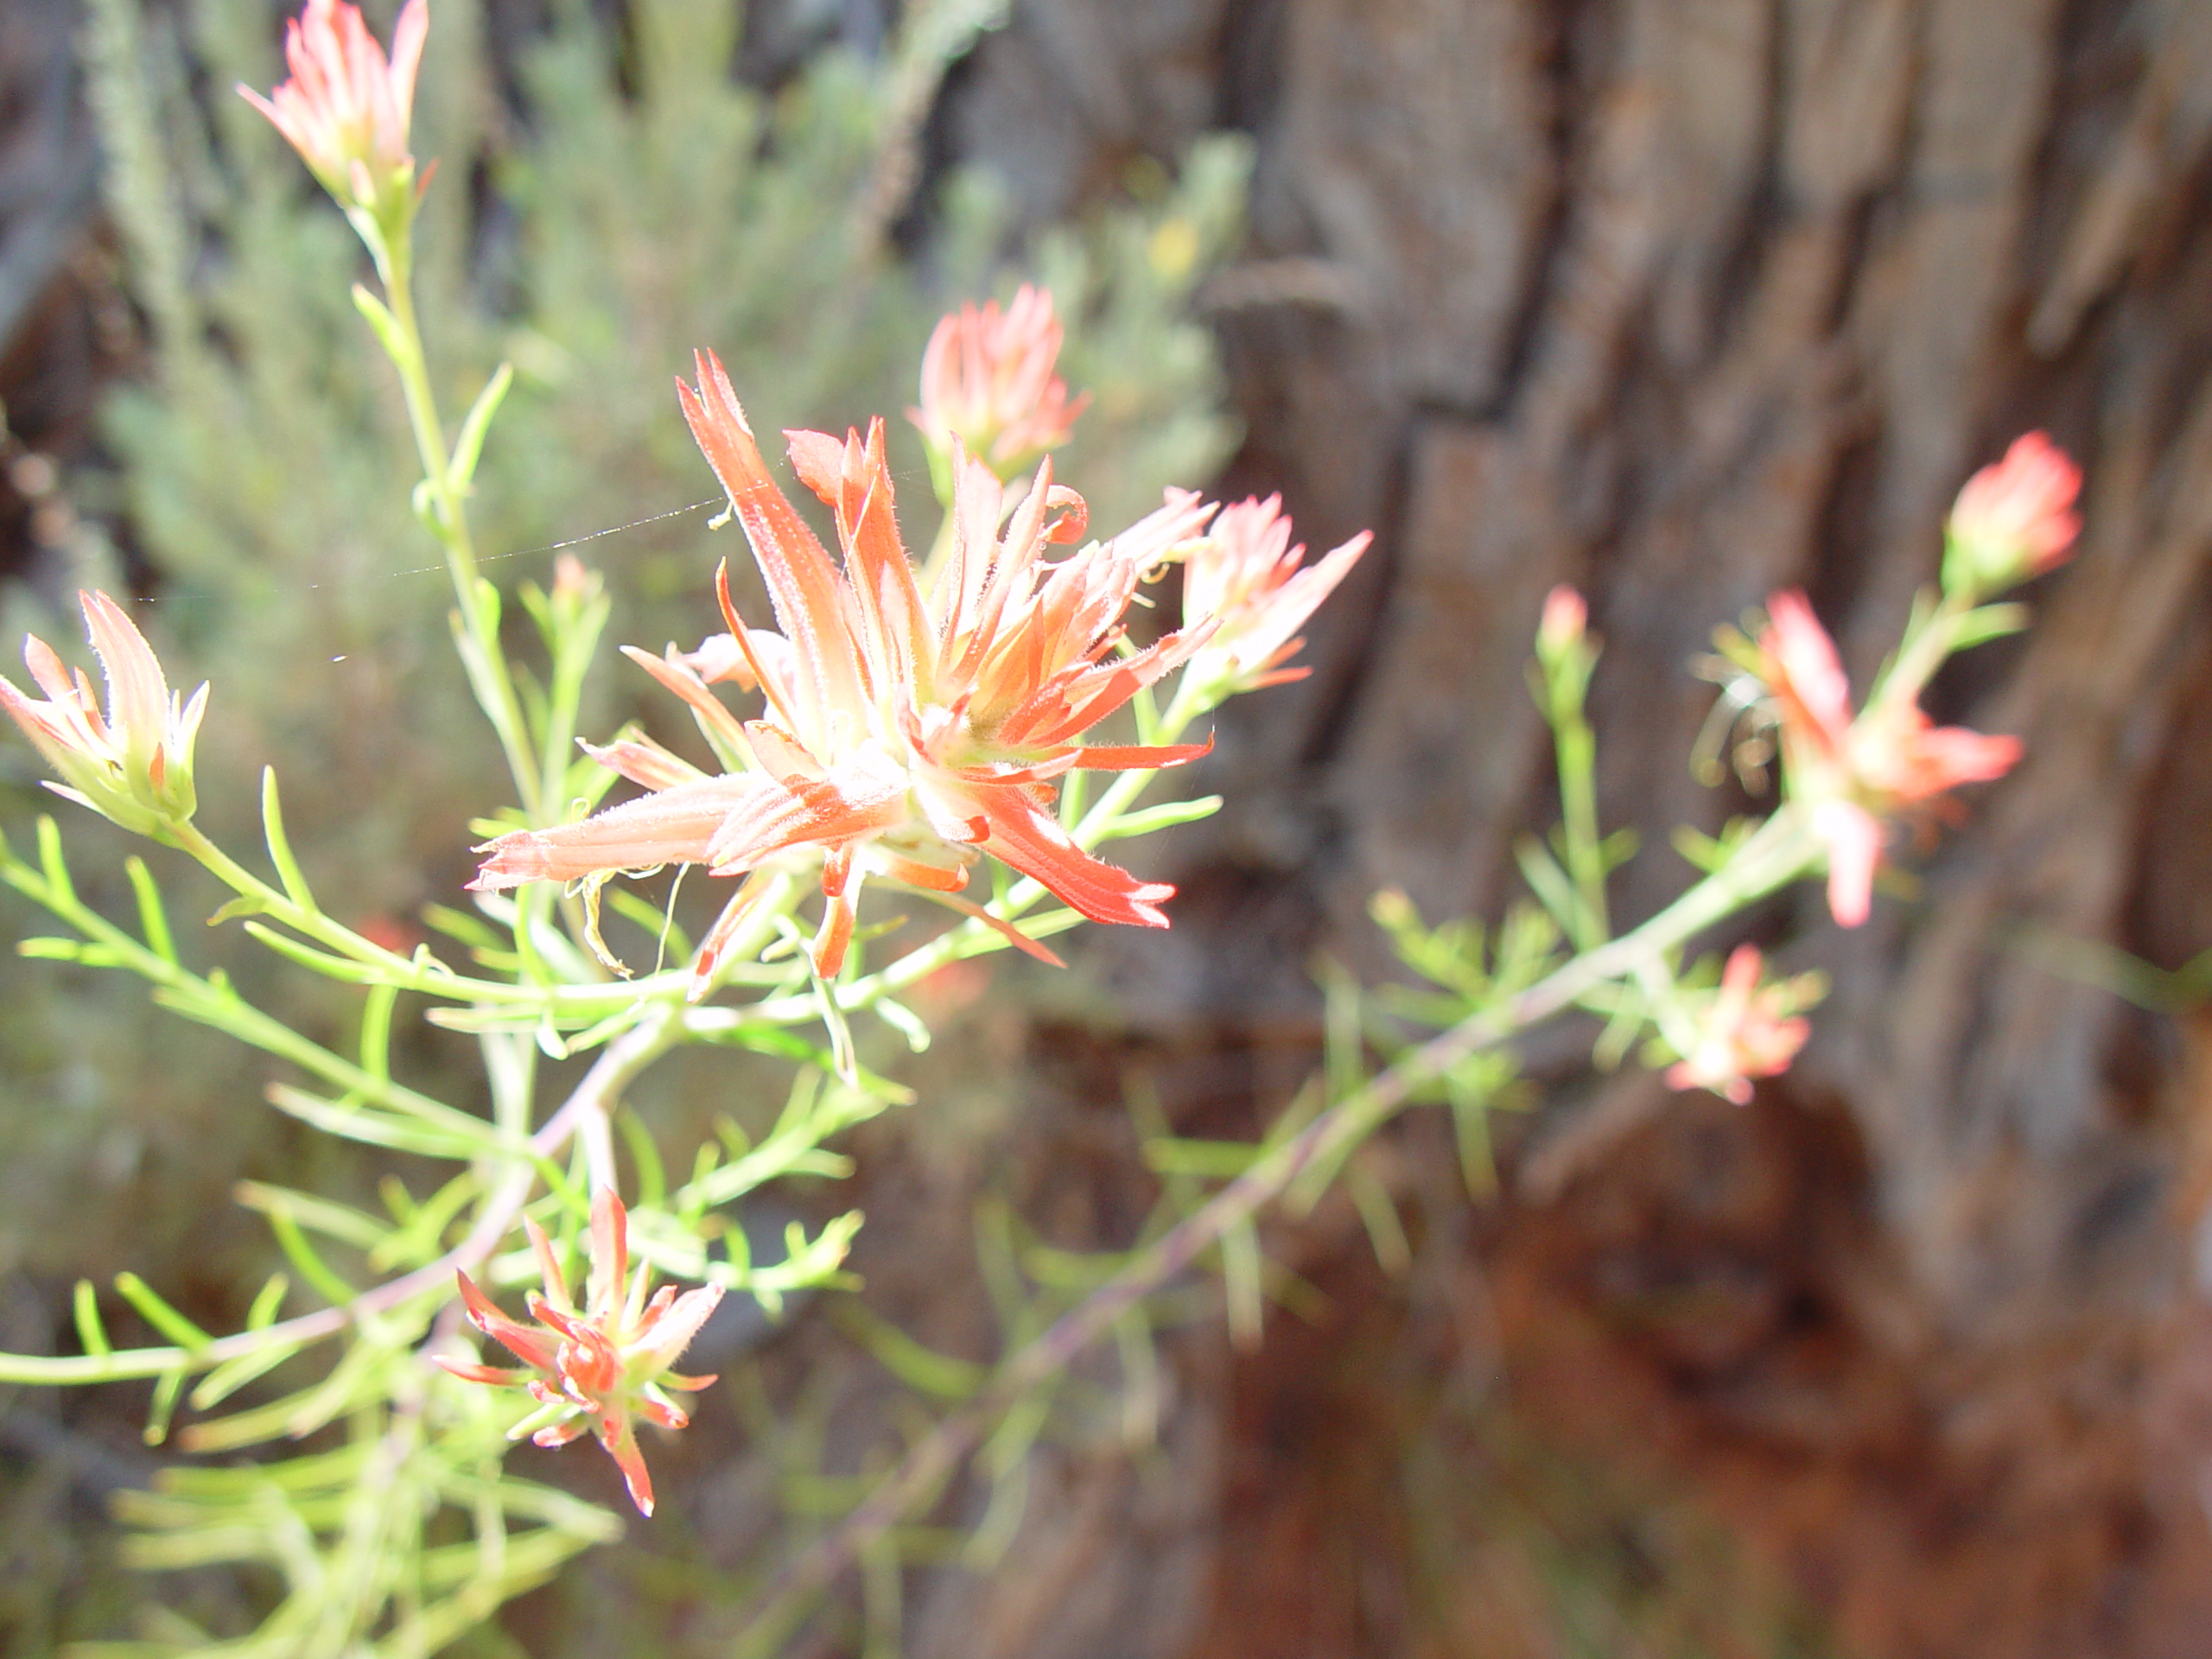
(380, 318)
(461, 471)
(280, 847)
(904, 1020)
(1386, 1233)
(326, 1215)
(267, 1303)
(1546, 881)
(376, 1129)
(155, 924)
(1212, 1161)
(376, 1031)
(1470, 1129)
(300, 1254)
(1989, 622)
(1166, 815)
(1240, 1270)
(1006, 1454)
(91, 1336)
(1139, 1358)
(1075, 790)
(50, 860)
(165, 1397)
(918, 1367)
(652, 1174)
(883, 1609)
(245, 904)
(229, 1377)
(158, 1313)
(320, 961)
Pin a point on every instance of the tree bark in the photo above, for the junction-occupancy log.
(1687, 301)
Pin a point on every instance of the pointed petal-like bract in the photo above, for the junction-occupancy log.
(346, 108)
(135, 765)
(1246, 573)
(988, 383)
(1855, 773)
(603, 1366)
(2013, 521)
(1747, 1031)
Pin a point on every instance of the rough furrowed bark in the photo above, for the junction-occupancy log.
(1684, 303)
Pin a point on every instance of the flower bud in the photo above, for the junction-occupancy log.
(1566, 617)
(2013, 521)
(135, 766)
(988, 380)
(346, 108)
(1246, 576)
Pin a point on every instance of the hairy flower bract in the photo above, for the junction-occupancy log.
(135, 765)
(346, 108)
(906, 726)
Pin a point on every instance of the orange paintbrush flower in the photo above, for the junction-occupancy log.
(134, 766)
(346, 108)
(1746, 1030)
(903, 730)
(1245, 573)
(599, 1368)
(1855, 773)
(988, 381)
(2013, 521)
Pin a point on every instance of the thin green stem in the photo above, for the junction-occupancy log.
(493, 683)
(1925, 649)
(1576, 747)
(216, 1004)
(388, 967)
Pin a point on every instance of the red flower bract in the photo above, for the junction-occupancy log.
(135, 765)
(903, 730)
(2014, 519)
(988, 382)
(347, 109)
(1855, 773)
(598, 1368)
(1245, 574)
(1747, 1031)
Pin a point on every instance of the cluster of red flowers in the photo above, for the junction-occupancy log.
(910, 722)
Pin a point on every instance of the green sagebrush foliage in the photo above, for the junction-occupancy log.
(635, 200)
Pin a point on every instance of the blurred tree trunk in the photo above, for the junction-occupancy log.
(1684, 301)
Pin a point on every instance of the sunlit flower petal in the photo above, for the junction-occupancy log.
(1245, 573)
(988, 385)
(906, 723)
